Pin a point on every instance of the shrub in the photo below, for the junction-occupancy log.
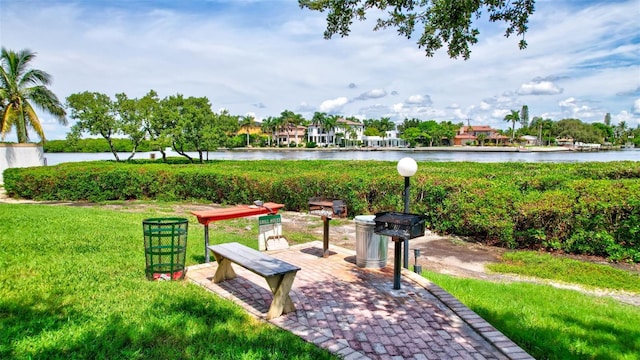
(589, 208)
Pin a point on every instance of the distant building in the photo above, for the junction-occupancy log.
(345, 130)
(568, 142)
(290, 135)
(468, 135)
(529, 140)
(391, 139)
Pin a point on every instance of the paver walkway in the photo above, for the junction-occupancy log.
(354, 312)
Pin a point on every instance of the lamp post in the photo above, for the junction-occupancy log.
(407, 167)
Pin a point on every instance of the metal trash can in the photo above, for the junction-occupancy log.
(165, 247)
(371, 248)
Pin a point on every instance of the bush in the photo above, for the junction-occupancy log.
(588, 208)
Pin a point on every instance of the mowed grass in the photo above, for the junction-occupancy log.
(72, 286)
(546, 266)
(551, 323)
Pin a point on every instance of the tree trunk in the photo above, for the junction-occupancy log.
(133, 152)
(113, 150)
(181, 152)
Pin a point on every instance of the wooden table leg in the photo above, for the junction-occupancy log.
(280, 287)
(224, 270)
(206, 243)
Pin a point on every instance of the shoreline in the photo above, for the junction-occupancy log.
(416, 149)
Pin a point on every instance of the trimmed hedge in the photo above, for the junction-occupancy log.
(582, 208)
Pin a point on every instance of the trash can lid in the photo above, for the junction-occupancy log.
(365, 219)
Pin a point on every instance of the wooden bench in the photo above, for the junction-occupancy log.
(279, 274)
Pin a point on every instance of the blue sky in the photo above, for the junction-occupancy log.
(261, 57)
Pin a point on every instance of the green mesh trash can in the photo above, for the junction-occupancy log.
(165, 247)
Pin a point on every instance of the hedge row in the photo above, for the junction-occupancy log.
(581, 208)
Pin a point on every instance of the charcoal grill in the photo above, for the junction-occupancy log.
(406, 226)
(401, 227)
(327, 209)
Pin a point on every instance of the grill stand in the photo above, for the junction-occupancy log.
(327, 208)
(401, 227)
(325, 236)
(396, 260)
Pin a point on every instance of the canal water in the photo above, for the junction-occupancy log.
(379, 155)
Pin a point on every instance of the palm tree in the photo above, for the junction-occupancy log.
(513, 117)
(268, 127)
(319, 120)
(620, 131)
(20, 87)
(331, 122)
(246, 123)
(278, 126)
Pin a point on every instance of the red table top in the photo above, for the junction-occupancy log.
(207, 216)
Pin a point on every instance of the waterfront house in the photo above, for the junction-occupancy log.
(529, 140)
(469, 135)
(566, 142)
(291, 135)
(345, 131)
(391, 139)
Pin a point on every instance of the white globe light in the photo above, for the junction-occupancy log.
(407, 167)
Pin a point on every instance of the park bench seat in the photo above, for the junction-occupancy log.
(279, 274)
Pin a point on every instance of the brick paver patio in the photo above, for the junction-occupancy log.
(354, 312)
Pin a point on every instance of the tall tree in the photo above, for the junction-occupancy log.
(620, 132)
(524, 116)
(407, 124)
(131, 120)
(512, 117)
(331, 123)
(385, 125)
(448, 22)
(319, 120)
(153, 122)
(246, 123)
(20, 89)
(544, 127)
(268, 126)
(290, 122)
(432, 132)
(94, 113)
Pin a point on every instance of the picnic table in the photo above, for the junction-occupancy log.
(207, 216)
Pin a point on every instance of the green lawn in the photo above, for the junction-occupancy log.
(72, 286)
(551, 323)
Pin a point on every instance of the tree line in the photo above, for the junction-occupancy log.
(432, 133)
(188, 124)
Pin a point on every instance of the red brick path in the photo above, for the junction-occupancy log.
(355, 313)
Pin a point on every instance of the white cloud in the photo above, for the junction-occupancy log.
(539, 88)
(372, 94)
(636, 107)
(252, 56)
(421, 100)
(331, 106)
(500, 113)
(572, 108)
